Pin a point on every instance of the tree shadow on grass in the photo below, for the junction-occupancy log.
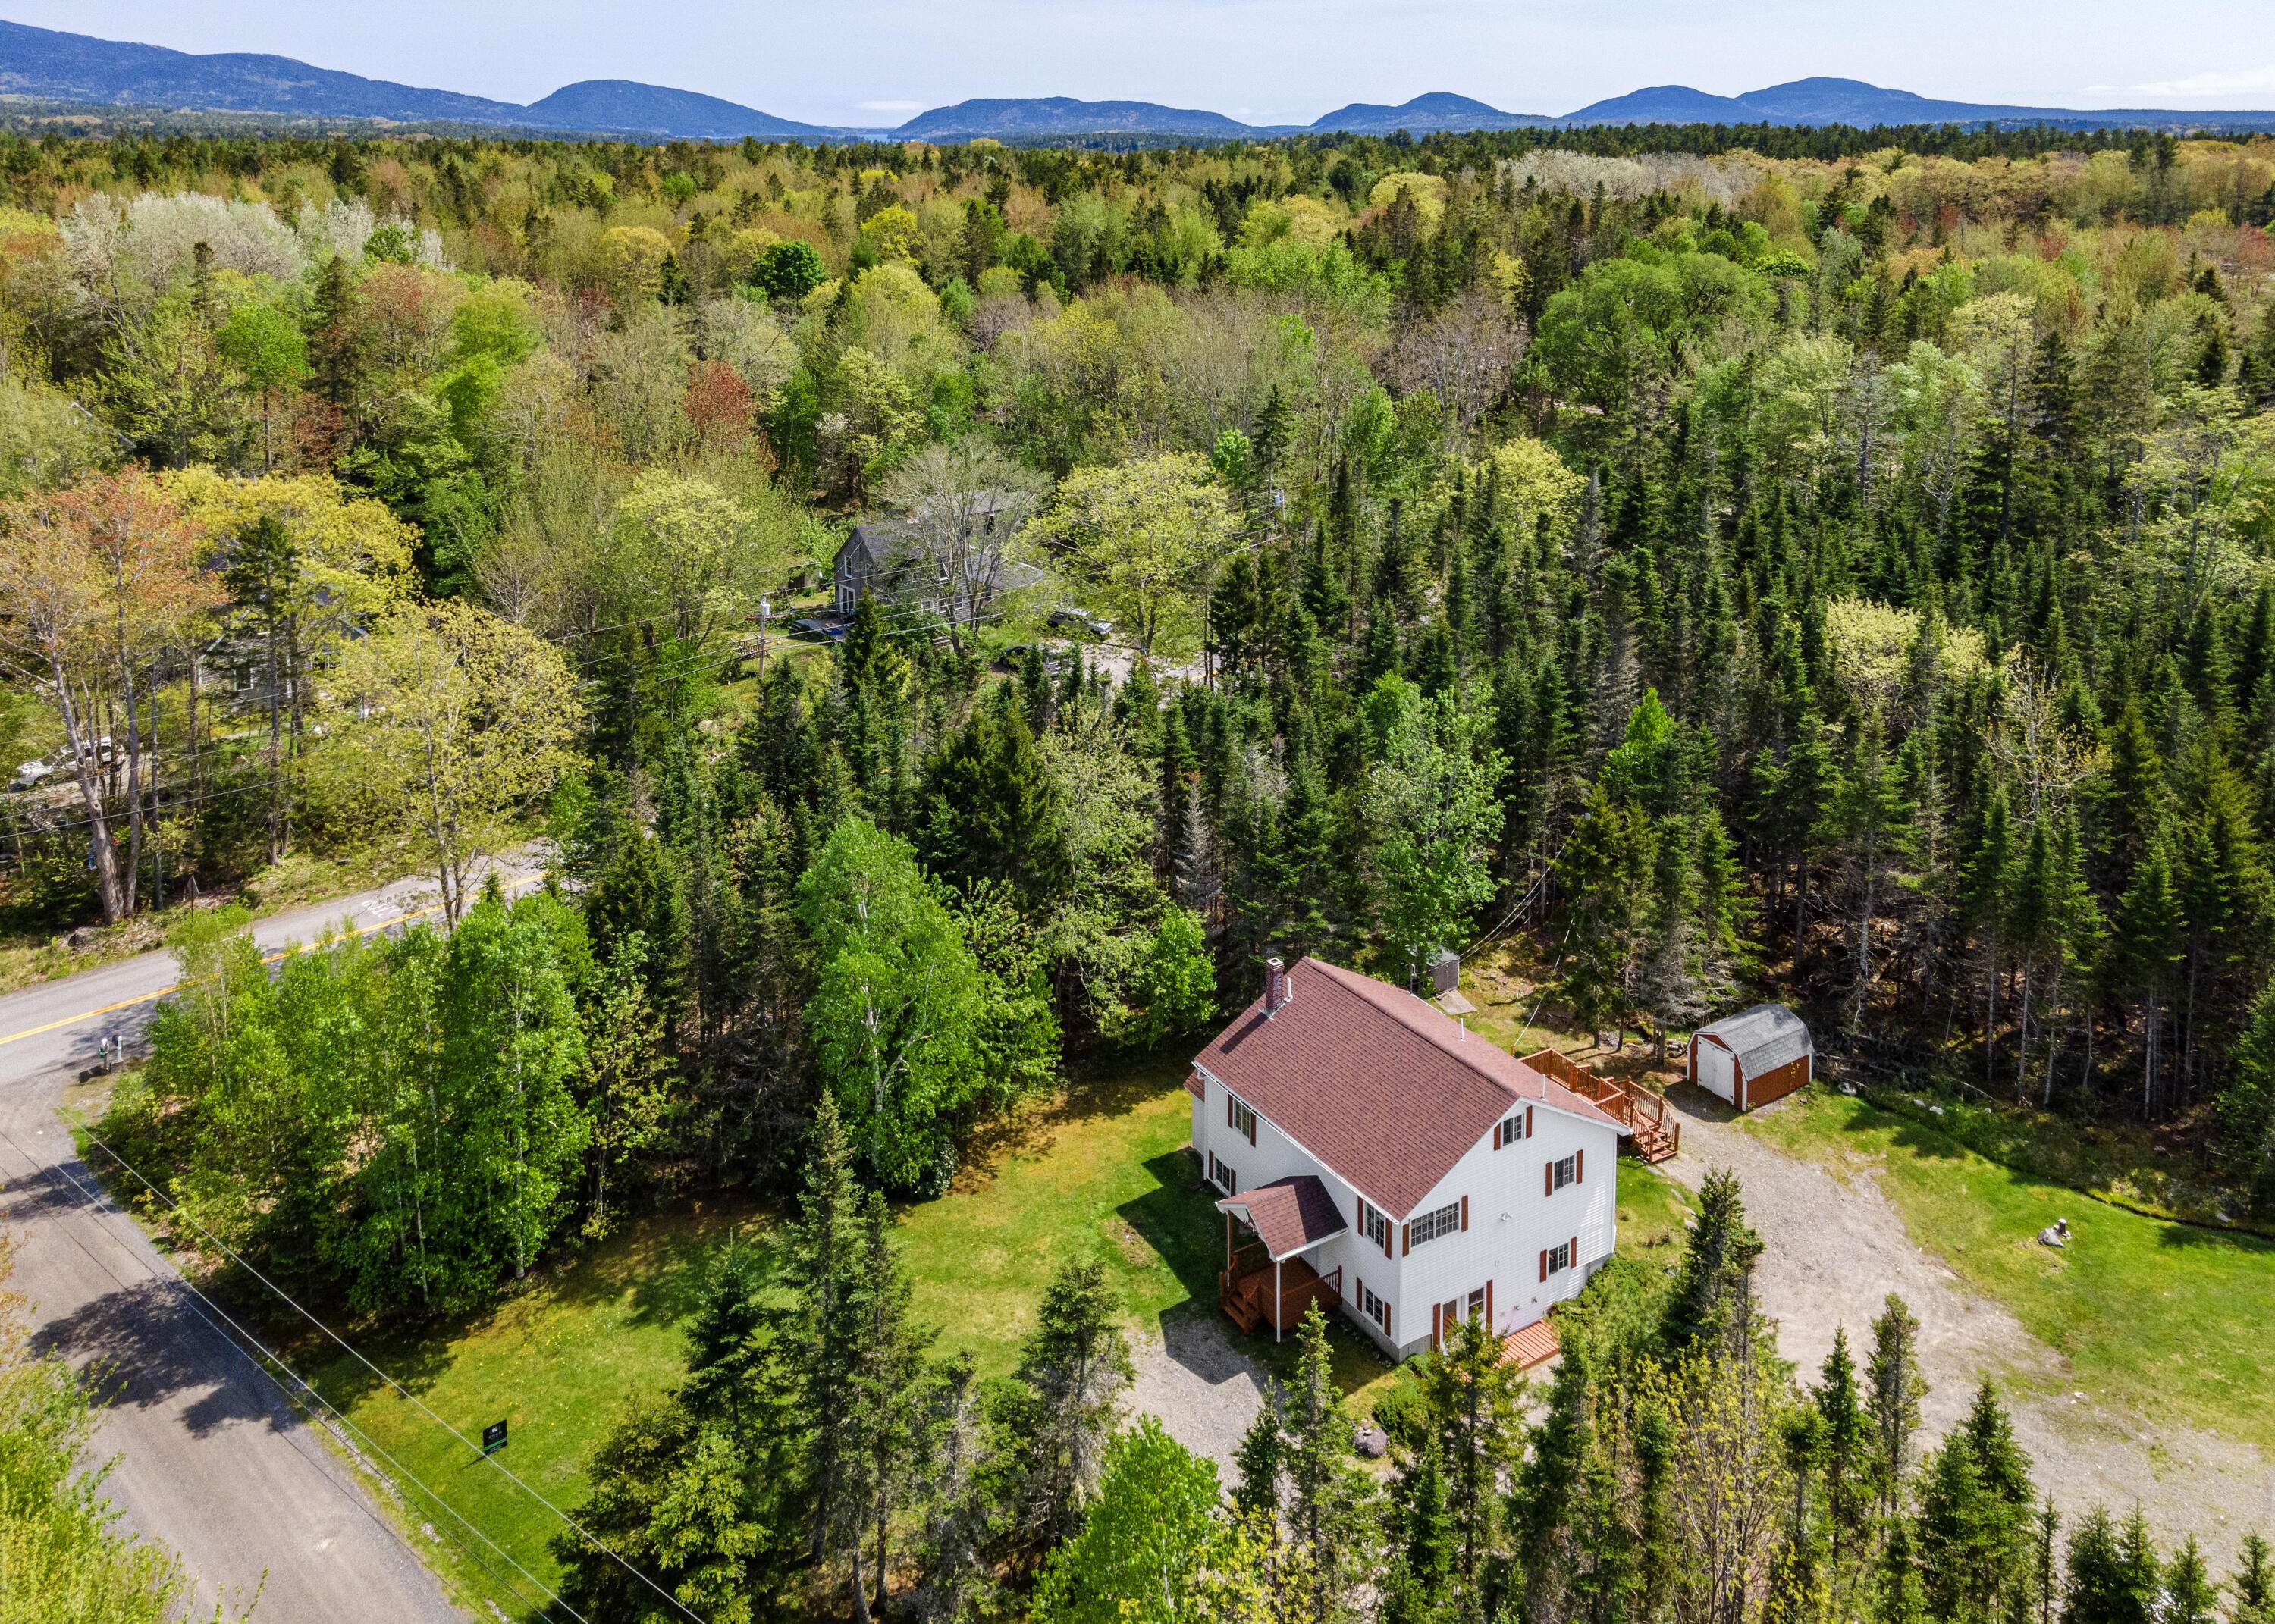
(1178, 1218)
(1031, 1129)
(661, 1259)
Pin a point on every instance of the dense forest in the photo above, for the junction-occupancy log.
(1721, 562)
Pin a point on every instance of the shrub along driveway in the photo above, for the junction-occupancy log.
(2126, 1360)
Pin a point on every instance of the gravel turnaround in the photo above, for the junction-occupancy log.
(1837, 1247)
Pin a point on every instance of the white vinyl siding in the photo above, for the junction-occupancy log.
(1446, 1220)
(1394, 1282)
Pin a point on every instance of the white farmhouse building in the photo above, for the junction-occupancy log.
(1375, 1155)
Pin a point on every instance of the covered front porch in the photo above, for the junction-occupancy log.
(1272, 1237)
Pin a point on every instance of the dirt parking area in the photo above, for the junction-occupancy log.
(1206, 1391)
(1837, 1247)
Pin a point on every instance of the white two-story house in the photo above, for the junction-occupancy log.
(1375, 1155)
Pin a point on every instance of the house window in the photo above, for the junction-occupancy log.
(1223, 1176)
(1477, 1302)
(1243, 1121)
(1559, 1259)
(1566, 1172)
(1430, 1226)
(1374, 1308)
(1374, 1226)
(1512, 1128)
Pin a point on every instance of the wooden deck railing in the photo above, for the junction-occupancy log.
(1638, 1107)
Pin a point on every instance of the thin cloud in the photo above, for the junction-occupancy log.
(892, 107)
(2251, 81)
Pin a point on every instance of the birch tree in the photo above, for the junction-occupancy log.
(97, 582)
(462, 723)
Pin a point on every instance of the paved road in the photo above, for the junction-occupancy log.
(212, 1460)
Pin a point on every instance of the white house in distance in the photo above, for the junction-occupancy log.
(1375, 1155)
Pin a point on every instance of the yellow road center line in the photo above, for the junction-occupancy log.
(267, 958)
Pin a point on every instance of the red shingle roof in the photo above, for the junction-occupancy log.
(1287, 1214)
(1379, 1086)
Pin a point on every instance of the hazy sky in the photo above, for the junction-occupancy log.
(874, 62)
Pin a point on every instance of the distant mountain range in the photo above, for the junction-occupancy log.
(44, 66)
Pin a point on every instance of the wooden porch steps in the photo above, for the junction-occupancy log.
(1654, 1145)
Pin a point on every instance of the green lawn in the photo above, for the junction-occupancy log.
(2167, 1319)
(1102, 1174)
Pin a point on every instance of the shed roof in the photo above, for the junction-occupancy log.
(1380, 1088)
(1289, 1215)
(1763, 1038)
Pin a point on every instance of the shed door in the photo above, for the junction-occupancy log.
(1718, 1071)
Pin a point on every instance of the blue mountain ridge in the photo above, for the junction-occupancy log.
(47, 65)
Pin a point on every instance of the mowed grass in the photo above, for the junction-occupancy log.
(1101, 1174)
(2169, 1320)
(558, 1362)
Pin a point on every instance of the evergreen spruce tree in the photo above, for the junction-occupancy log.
(1257, 1463)
(2252, 1588)
(1051, 1423)
(1847, 1469)
(1329, 1527)
(2190, 1597)
(1895, 1387)
(1711, 1307)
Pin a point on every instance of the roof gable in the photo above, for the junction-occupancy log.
(1289, 1215)
(1763, 1038)
(1386, 1090)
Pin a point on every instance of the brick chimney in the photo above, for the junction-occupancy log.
(1275, 984)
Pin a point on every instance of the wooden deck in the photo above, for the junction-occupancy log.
(1244, 1290)
(1654, 1134)
(1535, 1344)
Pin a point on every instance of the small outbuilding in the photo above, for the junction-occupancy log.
(1753, 1057)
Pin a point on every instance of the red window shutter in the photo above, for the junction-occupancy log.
(1579, 1165)
(1496, 1136)
(1543, 1263)
(1465, 1214)
(1528, 1122)
(1489, 1318)
(1437, 1325)
(1386, 1319)
(1385, 1234)
(1405, 1239)
(1575, 1251)
(1227, 1110)
(1358, 1291)
(1547, 1178)
(1251, 1126)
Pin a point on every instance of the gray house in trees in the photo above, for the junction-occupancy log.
(895, 559)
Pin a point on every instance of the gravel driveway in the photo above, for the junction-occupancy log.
(1837, 1248)
(1206, 1391)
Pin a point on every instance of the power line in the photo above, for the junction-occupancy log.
(402, 1392)
(94, 1201)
